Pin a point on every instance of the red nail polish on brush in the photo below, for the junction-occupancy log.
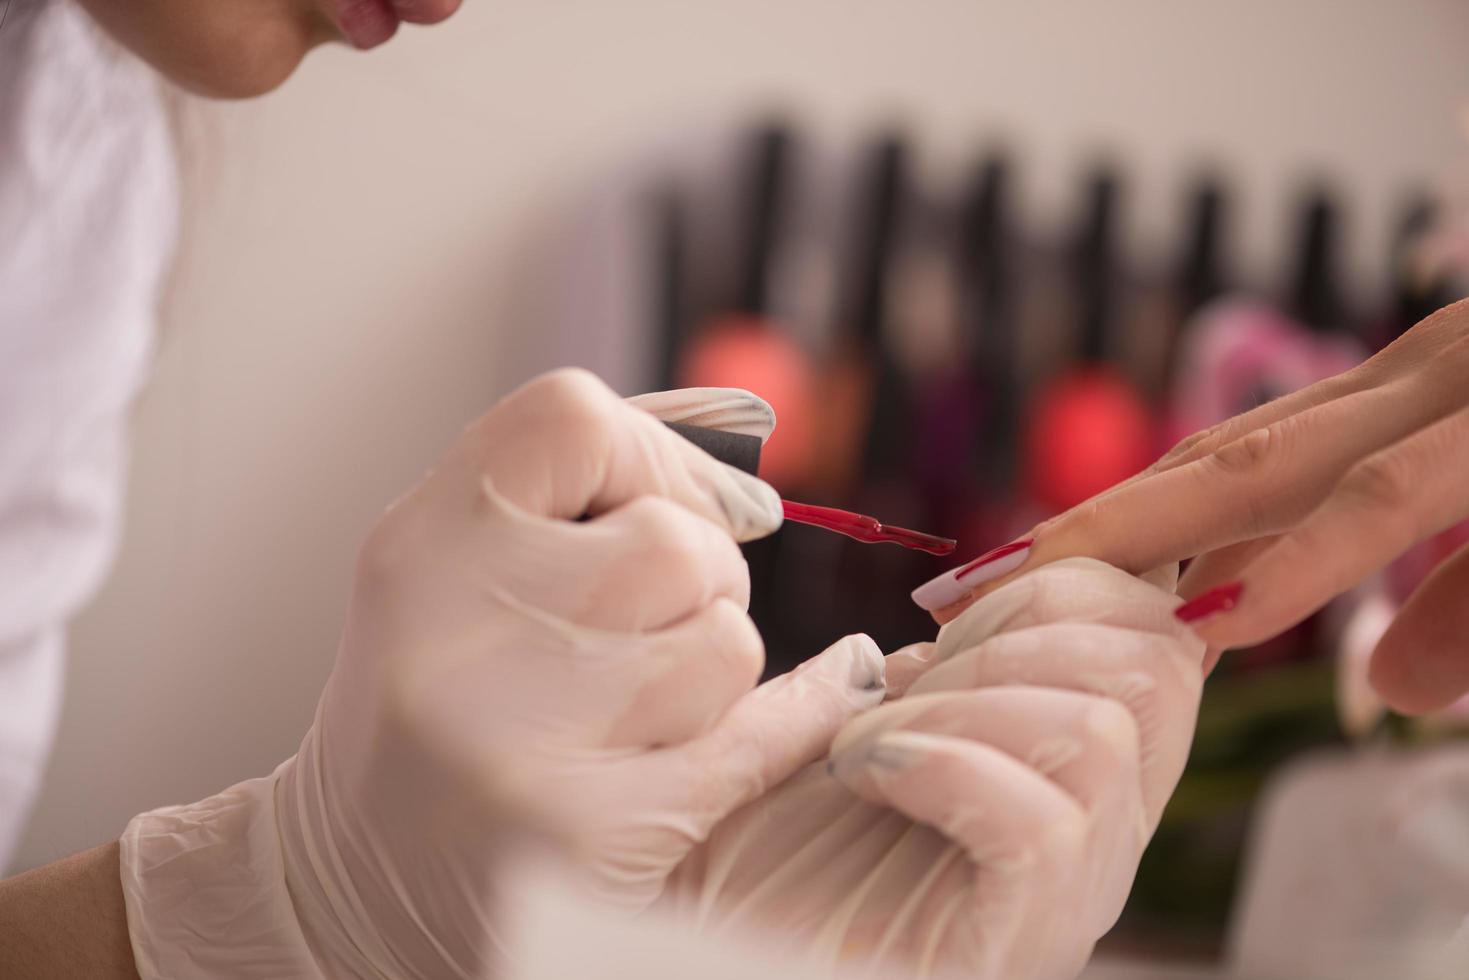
(1217, 600)
(868, 530)
(743, 452)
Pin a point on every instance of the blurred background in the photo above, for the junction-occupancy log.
(985, 260)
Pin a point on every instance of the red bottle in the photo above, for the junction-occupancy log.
(1089, 427)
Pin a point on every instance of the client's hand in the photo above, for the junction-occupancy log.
(990, 820)
(507, 663)
(1297, 501)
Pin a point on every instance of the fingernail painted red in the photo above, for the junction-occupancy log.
(952, 586)
(1217, 600)
(994, 556)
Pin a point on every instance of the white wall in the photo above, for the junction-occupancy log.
(360, 278)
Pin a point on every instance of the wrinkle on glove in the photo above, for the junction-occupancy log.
(508, 673)
(220, 857)
(988, 822)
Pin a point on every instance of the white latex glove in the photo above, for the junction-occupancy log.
(989, 821)
(505, 665)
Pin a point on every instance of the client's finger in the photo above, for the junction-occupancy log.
(1422, 661)
(1224, 565)
(906, 665)
(1384, 505)
(1217, 568)
(1258, 484)
(1436, 336)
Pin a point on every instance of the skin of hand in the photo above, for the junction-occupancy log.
(1297, 501)
(242, 48)
(988, 819)
(547, 634)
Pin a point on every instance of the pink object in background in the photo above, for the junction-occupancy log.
(1239, 353)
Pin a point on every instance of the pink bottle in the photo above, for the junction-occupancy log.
(1239, 353)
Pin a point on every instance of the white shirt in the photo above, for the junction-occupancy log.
(87, 224)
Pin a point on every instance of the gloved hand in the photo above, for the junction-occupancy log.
(506, 664)
(989, 820)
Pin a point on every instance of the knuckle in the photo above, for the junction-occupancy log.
(1250, 455)
(1378, 483)
(1183, 448)
(1086, 514)
(669, 536)
(1110, 727)
(1062, 838)
(572, 397)
(386, 550)
(731, 632)
(567, 384)
(1255, 458)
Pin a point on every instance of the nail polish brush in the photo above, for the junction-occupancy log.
(743, 451)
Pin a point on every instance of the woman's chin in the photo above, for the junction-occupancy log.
(235, 70)
(227, 53)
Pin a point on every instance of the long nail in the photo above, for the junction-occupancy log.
(1220, 599)
(957, 583)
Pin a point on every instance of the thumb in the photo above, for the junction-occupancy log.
(564, 446)
(727, 409)
(1422, 661)
(780, 727)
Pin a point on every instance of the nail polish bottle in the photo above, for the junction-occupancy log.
(1088, 427)
(970, 413)
(859, 368)
(668, 299)
(1241, 352)
(747, 347)
(1415, 287)
(867, 445)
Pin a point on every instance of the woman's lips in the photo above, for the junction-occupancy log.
(368, 23)
(424, 11)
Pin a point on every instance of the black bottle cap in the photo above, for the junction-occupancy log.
(1314, 300)
(1094, 263)
(765, 193)
(735, 448)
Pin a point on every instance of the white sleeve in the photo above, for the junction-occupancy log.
(87, 223)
